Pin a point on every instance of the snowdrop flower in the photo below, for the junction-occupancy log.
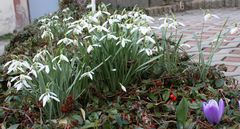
(156, 49)
(169, 23)
(88, 74)
(129, 26)
(112, 21)
(46, 97)
(113, 70)
(146, 38)
(55, 17)
(99, 28)
(44, 27)
(209, 16)
(65, 10)
(93, 19)
(101, 13)
(67, 19)
(14, 66)
(65, 41)
(144, 30)
(22, 81)
(44, 20)
(40, 56)
(42, 67)
(213, 111)
(61, 58)
(123, 42)
(185, 46)
(47, 34)
(147, 18)
(123, 87)
(234, 30)
(140, 40)
(90, 48)
(109, 37)
(33, 72)
(175, 24)
(150, 39)
(148, 51)
(75, 29)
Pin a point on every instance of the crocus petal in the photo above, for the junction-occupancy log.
(211, 112)
(221, 108)
(239, 104)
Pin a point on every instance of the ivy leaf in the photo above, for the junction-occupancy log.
(166, 95)
(181, 113)
(219, 83)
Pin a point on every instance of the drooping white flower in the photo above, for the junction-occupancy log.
(113, 70)
(65, 10)
(144, 30)
(88, 74)
(185, 46)
(21, 81)
(109, 37)
(123, 42)
(112, 21)
(42, 67)
(33, 72)
(63, 58)
(140, 40)
(47, 97)
(123, 87)
(234, 30)
(209, 16)
(150, 39)
(99, 28)
(68, 19)
(147, 18)
(47, 34)
(175, 24)
(40, 56)
(14, 66)
(65, 41)
(76, 29)
(169, 23)
(55, 17)
(148, 51)
(157, 49)
(90, 48)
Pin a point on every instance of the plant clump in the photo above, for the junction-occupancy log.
(111, 70)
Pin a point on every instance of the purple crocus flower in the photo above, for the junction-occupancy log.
(213, 111)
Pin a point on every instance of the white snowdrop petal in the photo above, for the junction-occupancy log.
(90, 48)
(123, 87)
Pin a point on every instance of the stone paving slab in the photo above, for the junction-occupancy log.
(2, 46)
(229, 51)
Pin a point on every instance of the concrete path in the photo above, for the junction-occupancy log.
(2, 46)
(229, 51)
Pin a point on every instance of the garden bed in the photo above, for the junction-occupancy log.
(110, 70)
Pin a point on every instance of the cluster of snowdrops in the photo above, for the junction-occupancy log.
(110, 50)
